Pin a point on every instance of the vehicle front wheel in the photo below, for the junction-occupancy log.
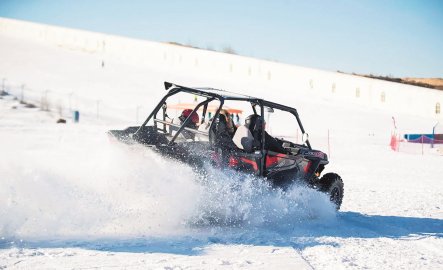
(332, 184)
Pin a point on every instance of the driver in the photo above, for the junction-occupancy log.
(271, 143)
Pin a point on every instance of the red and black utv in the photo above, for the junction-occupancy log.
(205, 132)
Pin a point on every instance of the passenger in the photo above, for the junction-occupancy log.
(271, 143)
(230, 126)
(226, 124)
(191, 124)
(222, 134)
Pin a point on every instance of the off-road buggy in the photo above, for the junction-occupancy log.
(246, 151)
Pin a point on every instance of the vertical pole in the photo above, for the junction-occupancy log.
(45, 101)
(22, 98)
(433, 134)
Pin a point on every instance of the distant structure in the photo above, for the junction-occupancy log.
(288, 81)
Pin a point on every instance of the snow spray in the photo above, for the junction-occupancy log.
(70, 182)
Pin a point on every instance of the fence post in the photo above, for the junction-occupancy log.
(22, 98)
(433, 134)
(44, 106)
(432, 141)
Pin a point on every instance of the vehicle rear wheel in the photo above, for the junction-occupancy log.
(332, 184)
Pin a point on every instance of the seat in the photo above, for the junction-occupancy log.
(204, 127)
(243, 139)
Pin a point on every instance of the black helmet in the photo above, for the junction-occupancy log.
(251, 120)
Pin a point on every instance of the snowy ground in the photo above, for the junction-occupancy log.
(70, 199)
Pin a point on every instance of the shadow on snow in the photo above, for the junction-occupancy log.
(299, 235)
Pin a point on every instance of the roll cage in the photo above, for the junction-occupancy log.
(212, 94)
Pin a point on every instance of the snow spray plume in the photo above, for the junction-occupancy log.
(76, 185)
(233, 199)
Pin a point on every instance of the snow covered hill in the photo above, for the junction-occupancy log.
(71, 199)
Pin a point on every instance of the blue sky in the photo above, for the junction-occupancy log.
(398, 38)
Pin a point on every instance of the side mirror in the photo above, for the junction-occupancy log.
(305, 138)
